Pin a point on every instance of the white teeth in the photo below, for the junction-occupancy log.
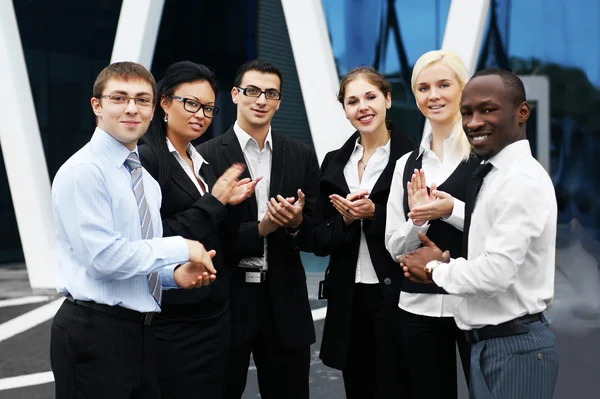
(436, 107)
(478, 138)
(366, 118)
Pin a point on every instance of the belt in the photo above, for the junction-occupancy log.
(253, 275)
(116, 311)
(513, 327)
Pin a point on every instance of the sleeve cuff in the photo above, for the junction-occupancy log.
(166, 277)
(179, 251)
(457, 217)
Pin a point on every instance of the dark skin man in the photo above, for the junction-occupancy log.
(493, 117)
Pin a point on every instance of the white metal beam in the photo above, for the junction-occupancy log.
(464, 30)
(24, 158)
(137, 31)
(317, 73)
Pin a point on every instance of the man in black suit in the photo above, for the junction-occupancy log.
(270, 312)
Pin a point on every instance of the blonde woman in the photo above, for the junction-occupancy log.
(427, 194)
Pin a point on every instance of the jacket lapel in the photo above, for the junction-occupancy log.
(232, 152)
(398, 147)
(334, 174)
(182, 180)
(278, 164)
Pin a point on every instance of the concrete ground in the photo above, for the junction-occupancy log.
(25, 364)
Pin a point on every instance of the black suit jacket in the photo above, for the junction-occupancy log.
(186, 213)
(341, 242)
(294, 166)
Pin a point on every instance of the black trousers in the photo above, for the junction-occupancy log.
(192, 349)
(282, 372)
(430, 344)
(96, 355)
(375, 367)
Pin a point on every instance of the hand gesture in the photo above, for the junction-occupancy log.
(193, 275)
(354, 207)
(245, 188)
(286, 212)
(199, 270)
(413, 263)
(416, 190)
(441, 206)
(227, 183)
(267, 225)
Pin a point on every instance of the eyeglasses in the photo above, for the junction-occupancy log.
(256, 92)
(122, 99)
(193, 106)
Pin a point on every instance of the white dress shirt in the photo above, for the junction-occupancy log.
(510, 271)
(259, 165)
(197, 162)
(401, 234)
(365, 272)
(101, 254)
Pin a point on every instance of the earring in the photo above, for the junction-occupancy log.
(166, 118)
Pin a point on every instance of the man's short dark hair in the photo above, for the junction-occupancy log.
(511, 81)
(259, 66)
(125, 70)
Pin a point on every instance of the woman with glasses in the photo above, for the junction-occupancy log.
(193, 328)
(427, 195)
(362, 281)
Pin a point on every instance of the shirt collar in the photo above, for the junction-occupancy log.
(244, 137)
(425, 145)
(191, 151)
(114, 150)
(510, 153)
(386, 147)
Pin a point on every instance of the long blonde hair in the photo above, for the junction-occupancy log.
(452, 61)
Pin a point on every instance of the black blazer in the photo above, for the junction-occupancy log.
(294, 166)
(186, 213)
(341, 242)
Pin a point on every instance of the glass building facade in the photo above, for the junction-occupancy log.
(551, 38)
(67, 42)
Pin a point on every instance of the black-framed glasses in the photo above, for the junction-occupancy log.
(123, 99)
(193, 106)
(270, 94)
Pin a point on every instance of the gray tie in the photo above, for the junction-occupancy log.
(135, 168)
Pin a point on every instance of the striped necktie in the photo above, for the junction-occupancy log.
(135, 168)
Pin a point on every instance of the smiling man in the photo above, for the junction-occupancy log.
(270, 313)
(507, 280)
(113, 262)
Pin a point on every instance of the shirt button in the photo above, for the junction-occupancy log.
(541, 356)
(387, 281)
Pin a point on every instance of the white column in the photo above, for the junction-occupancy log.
(464, 30)
(317, 73)
(137, 31)
(24, 157)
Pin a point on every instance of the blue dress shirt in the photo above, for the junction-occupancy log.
(101, 254)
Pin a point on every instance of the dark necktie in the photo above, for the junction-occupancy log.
(135, 168)
(473, 188)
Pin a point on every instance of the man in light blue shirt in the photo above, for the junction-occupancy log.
(111, 269)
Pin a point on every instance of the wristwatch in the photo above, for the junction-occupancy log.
(430, 267)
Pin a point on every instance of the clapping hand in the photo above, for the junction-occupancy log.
(199, 271)
(286, 212)
(425, 206)
(245, 188)
(354, 207)
(226, 185)
(413, 263)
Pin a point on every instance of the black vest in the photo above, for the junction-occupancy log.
(446, 236)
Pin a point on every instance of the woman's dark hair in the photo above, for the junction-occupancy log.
(155, 138)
